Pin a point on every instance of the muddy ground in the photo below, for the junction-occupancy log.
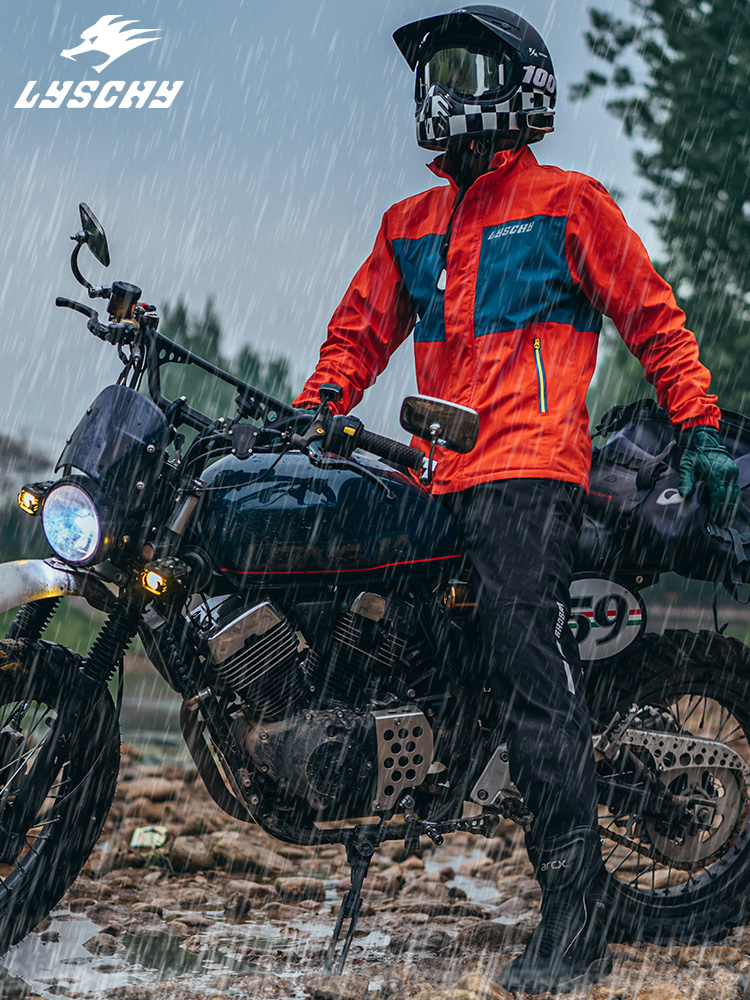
(222, 910)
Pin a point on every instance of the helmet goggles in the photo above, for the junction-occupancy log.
(468, 72)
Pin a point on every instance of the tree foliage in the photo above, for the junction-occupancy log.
(201, 333)
(677, 74)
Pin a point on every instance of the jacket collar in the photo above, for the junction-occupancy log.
(501, 163)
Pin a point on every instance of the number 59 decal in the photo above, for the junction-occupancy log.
(605, 616)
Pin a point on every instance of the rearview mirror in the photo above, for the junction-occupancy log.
(97, 241)
(449, 425)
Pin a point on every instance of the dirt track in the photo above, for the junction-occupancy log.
(223, 910)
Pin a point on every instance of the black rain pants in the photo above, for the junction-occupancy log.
(521, 536)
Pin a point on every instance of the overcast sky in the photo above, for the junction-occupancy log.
(263, 184)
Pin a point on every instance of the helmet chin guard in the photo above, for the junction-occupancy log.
(481, 72)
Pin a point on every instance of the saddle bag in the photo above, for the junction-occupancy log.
(636, 518)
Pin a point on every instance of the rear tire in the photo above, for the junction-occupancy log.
(34, 680)
(699, 683)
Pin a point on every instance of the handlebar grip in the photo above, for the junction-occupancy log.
(394, 451)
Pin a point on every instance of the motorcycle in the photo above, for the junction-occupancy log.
(292, 579)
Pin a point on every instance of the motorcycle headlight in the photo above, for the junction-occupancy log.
(74, 524)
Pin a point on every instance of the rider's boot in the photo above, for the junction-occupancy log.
(568, 948)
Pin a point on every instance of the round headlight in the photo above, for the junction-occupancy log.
(71, 523)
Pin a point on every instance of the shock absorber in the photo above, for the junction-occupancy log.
(118, 632)
(32, 619)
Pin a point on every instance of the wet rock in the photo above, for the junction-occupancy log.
(102, 944)
(239, 852)
(662, 991)
(281, 911)
(433, 890)
(107, 913)
(701, 955)
(153, 907)
(294, 853)
(247, 896)
(313, 905)
(482, 986)
(200, 821)
(337, 987)
(154, 789)
(178, 928)
(144, 925)
(194, 945)
(194, 895)
(294, 888)
(190, 854)
(490, 936)
(414, 940)
(14, 989)
(412, 863)
(449, 994)
(475, 867)
(80, 905)
(263, 987)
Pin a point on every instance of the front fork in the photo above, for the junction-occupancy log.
(89, 684)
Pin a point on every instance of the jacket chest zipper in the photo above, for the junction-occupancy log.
(541, 378)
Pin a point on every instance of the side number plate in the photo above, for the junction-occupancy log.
(605, 618)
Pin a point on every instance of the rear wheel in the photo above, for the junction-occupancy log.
(36, 872)
(667, 879)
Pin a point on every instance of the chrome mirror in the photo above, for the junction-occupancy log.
(445, 424)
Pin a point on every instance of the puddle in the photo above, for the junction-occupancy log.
(54, 963)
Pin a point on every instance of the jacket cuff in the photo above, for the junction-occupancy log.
(699, 422)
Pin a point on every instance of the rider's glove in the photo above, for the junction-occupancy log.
(705, 458)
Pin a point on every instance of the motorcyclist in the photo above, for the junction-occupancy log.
(503, 275)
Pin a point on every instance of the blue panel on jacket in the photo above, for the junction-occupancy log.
(421, 264)
(524, 278)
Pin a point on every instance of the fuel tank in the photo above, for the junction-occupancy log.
(267, 519)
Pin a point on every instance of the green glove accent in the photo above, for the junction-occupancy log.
(705, 458)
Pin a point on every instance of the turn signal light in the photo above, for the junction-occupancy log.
(160, 575)
(459, 595)
(28, 502)
(31, 497)
(154, 582)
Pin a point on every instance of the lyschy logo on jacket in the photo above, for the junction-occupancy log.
(111, 37)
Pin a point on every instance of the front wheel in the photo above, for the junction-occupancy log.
(34, 680)
(670, 880)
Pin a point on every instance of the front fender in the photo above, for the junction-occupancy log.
(32, 579)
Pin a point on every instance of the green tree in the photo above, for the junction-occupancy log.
(677, 74)
(201, 333)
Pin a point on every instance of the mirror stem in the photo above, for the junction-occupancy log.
(435, 430)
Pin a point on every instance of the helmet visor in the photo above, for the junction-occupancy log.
(469, 74)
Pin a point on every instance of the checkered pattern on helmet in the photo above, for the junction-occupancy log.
(440, 111)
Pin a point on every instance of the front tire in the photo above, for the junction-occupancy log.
(684, 885)
(34, 680)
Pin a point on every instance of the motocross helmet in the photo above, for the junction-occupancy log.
(481, 71)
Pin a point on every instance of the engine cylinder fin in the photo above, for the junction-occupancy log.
(254, 652)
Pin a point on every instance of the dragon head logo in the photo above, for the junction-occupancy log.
(108, 35)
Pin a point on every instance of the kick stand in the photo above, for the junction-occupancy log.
(358, 856)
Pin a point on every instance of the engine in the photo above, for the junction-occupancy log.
(312, 718)
(358, 652)
(254, 652)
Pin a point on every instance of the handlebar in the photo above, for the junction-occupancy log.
(250, 401)
(394, 451)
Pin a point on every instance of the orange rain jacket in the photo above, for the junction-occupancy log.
(537, 255)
